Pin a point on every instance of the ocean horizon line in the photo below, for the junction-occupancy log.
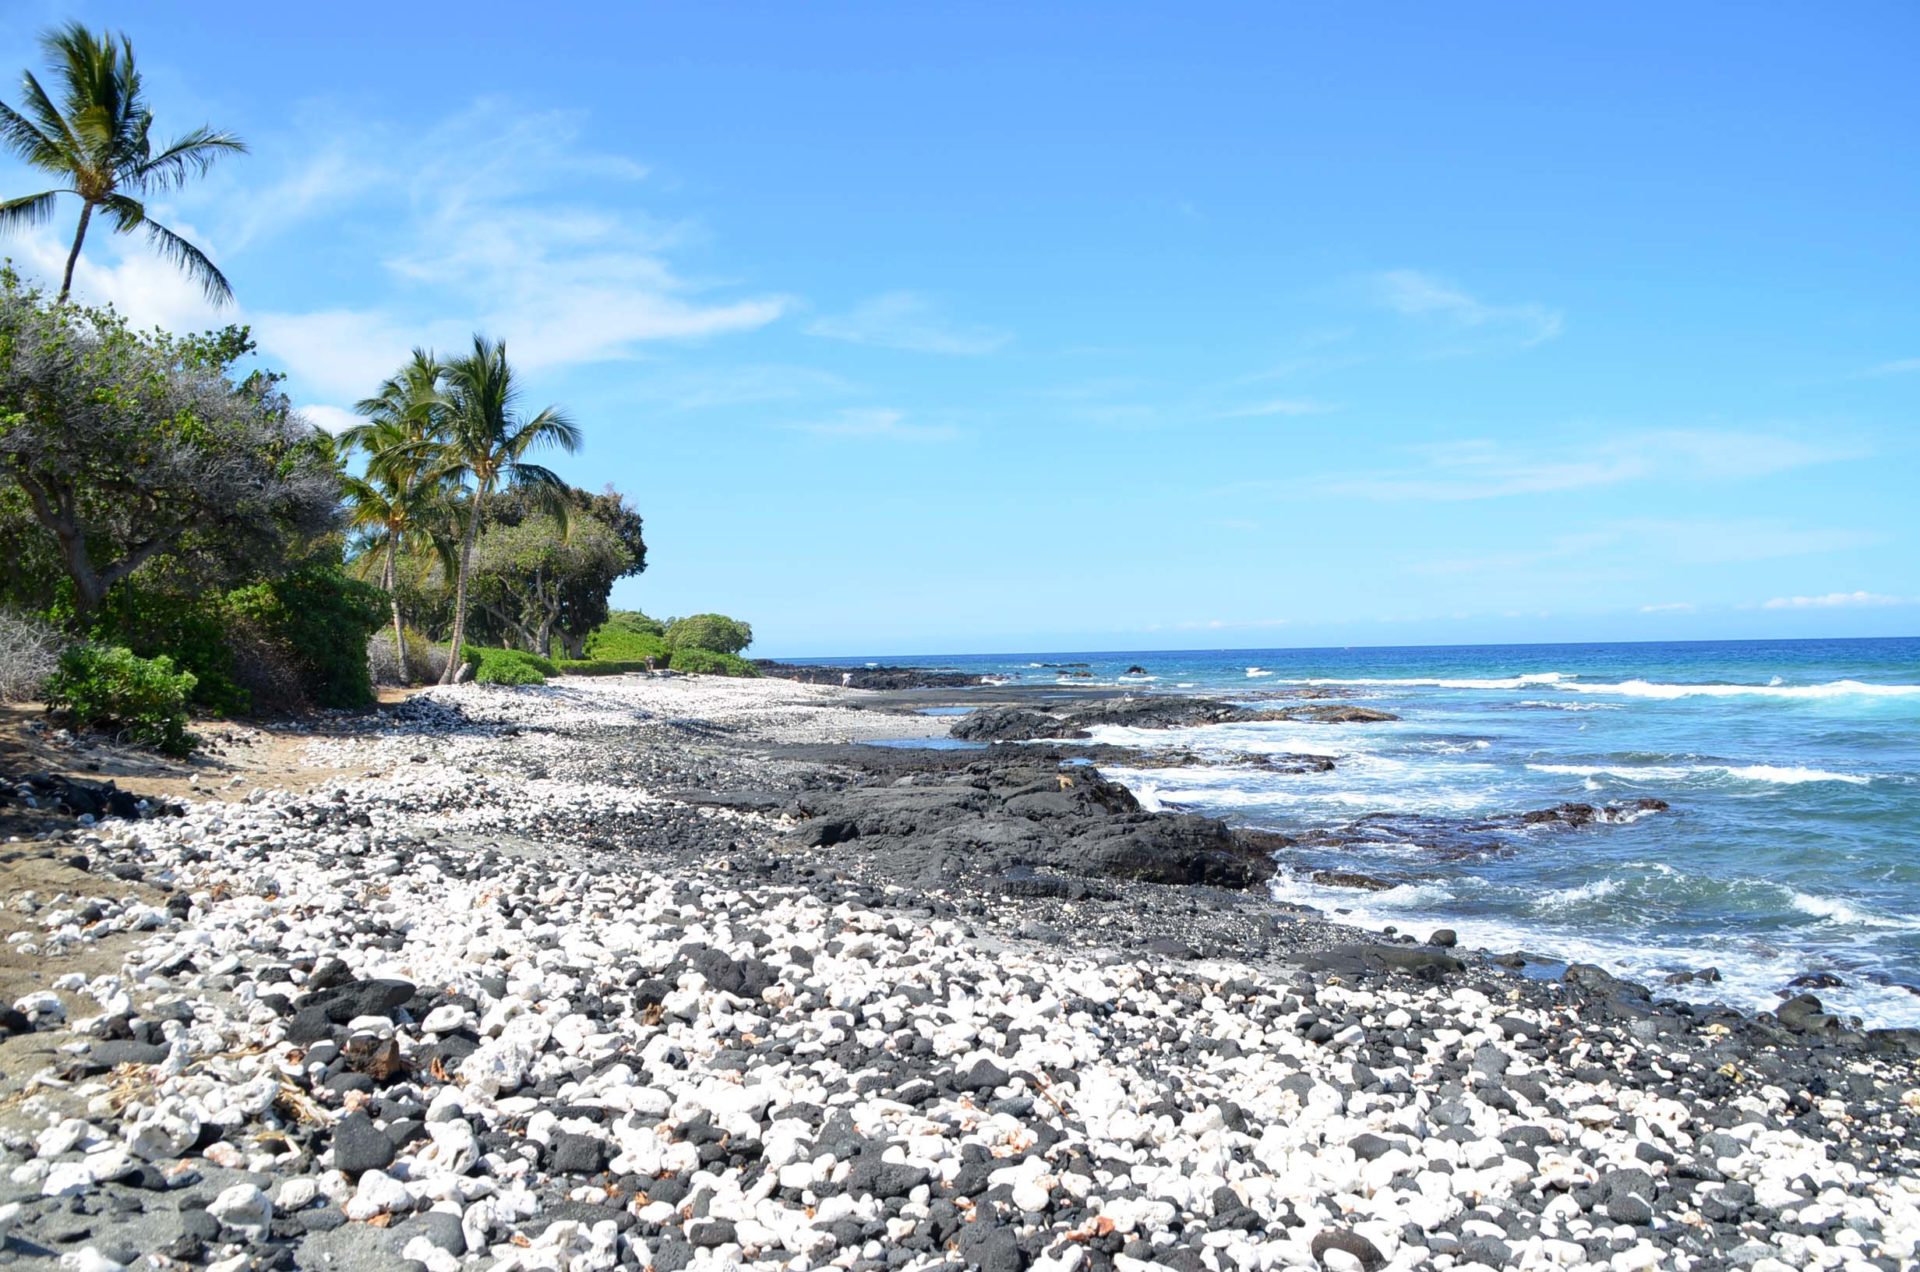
(1119, 652)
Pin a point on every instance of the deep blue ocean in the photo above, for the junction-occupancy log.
(1792, 768)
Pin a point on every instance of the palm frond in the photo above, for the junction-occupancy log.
(31, 142)
(186, 156)
(41, 107)
(192, 261)
(28, 210)
(552, 427)
(128, 213)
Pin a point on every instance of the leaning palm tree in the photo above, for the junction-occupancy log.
(489, 439)
(95, 139)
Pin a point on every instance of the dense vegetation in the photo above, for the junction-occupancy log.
(178, 536)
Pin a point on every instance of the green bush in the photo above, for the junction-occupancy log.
(707, 662)
(593, 667)
(324, 619)
(502, 672)
(100, 686)
(714, 632)
(634, 621)
(154, 614)
(508, 666)
(614, 641)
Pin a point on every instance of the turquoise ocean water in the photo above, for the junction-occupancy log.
(1792, 768)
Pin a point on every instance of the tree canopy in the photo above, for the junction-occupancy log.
(714, 632)
(127, 444)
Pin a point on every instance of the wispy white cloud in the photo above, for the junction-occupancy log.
(1679, 541)
(1278, 406)
(878, 424)
(1427, 297)
(1670, 607)
(907, 320)
(1837, 600)
(333, 419)
(1227, 624)
(333, 176)
(120, 271)
(1481, 469)
(499, 215)
(747, 385)
(1899, 366)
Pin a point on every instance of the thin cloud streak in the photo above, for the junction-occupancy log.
(1419, 295)
(1900, 366)
(1837, 600)
(1283, 407)
(908, 321)
(876, 424)
(1481, 469)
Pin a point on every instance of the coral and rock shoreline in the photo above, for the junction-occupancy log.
(682, 974)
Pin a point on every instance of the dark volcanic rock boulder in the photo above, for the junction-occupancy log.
(1012, 724)
(1586, 814)
(1351, 879)
(1426, 962)
(1157, 848)
(1001, 815)
(1017, 724)
(868, 677)
(1341, 714)
(1162, 712)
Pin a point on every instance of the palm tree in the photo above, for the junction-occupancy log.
(95, 140)
(400, 497)
(489, 439)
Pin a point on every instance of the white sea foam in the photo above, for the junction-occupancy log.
(1832, 689)
(1835, 910)
(1793, 776)
(1453, 746)
(1565, 898)
(1424, 682)
(1770, 774)
(1751, 974)
(1629, 688)
(1630, 772)
(1573, 706)
(1255, 672)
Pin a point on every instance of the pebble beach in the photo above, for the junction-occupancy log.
(570, 977)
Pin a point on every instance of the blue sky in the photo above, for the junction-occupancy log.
(970, 328)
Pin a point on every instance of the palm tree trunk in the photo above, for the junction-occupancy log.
(460, 590)
(73, 257)
(393, 599)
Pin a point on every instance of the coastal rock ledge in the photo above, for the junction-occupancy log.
(492, 999)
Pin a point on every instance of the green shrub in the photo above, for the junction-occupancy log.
(707, 662)
(592, 667)
(633, 621)
(324, 619)
(508, 666)
(502, 672)
(100, 686)
(713, 632)
(613, 641)
(154, 614)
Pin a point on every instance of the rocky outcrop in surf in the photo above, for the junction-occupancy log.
(1019, 724)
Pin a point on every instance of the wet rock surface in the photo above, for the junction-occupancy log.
(551, 1016)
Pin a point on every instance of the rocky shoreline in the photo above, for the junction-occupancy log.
(685, 974)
